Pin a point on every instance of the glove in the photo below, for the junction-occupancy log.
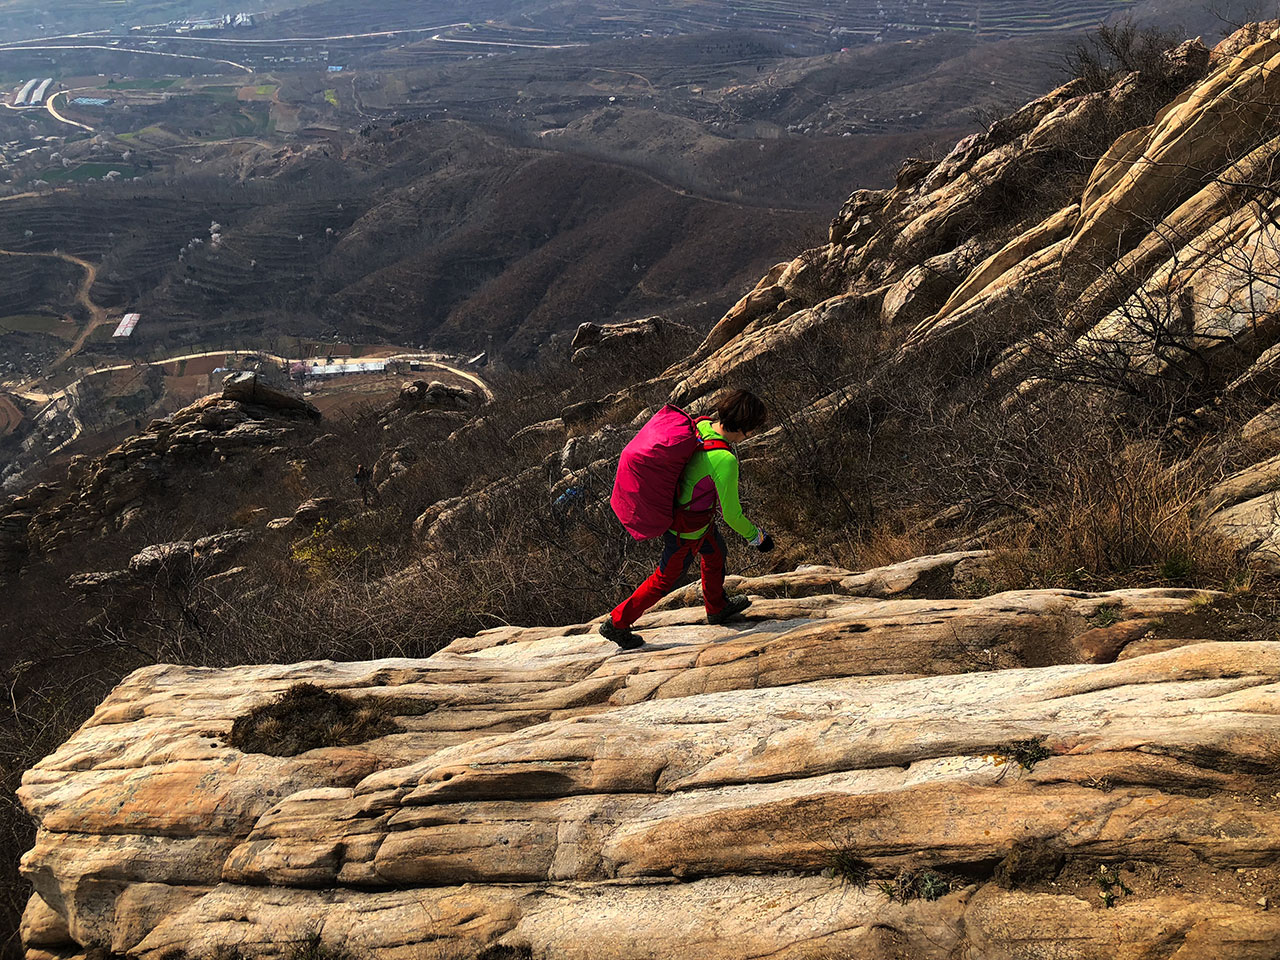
(763, 542)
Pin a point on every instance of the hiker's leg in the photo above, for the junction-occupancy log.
(676, 555)
(712, 555)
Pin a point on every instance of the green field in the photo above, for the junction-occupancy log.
(160, 83)
(153, 130)
(82, 172)
(266, 89)
(332, 96)
(37, 323)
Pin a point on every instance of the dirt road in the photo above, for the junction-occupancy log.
(97, 315)
(53, 112)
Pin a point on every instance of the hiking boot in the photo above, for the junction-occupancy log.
(734, 606)
(621, 635)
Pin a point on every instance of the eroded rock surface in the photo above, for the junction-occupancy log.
(546, 791)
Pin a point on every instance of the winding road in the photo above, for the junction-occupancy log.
(59, 117)
(69, 392)
(42, 43)
(40, 396)
(246, 41)
(134, 50)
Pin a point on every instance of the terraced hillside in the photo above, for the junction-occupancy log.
(423, 231)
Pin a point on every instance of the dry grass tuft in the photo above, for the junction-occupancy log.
(306, 717)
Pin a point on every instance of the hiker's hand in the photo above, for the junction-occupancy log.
(765, 544)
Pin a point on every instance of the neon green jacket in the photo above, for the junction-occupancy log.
(712, 475)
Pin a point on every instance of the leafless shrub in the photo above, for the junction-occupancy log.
(1118, 48)
(1117, 513)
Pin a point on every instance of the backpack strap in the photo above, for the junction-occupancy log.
(711, 444)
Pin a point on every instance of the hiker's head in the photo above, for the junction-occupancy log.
(741, 412)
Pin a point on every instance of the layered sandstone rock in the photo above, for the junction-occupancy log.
(546, 792)
(614, 342)
(1168, 252)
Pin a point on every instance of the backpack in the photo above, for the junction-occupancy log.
(644, 492)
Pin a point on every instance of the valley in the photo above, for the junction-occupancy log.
(313, 535)
(400, 176)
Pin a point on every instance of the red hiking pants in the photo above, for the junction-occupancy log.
(677, 554)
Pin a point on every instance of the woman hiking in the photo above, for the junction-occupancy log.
(709, 477)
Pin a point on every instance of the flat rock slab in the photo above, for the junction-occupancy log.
(547, 791)
(792, 918)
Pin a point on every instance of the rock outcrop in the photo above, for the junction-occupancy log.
(418, 394)
(167, 564)
(254, 388)
(100, 491)
(1159, 268)
(723, 790)
(611, 342)
(929, 252)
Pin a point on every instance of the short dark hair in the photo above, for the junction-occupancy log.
(741, 411)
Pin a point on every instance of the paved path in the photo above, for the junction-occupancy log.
(41, 396)
(59, 117)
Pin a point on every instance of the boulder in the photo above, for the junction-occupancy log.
(549, 430)
(593, 342)
(99, 581)
(437, 395)
(310, 512)
(252, 387)
(217, 549)
(169, 561)
(580, 452)
(1263, 427)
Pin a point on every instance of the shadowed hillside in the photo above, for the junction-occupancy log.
(1005, 687)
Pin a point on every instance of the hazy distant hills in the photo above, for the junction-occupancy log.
(425, 231)
(657, 162)
(804, 25)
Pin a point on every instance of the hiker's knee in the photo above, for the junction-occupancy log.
(665, 578)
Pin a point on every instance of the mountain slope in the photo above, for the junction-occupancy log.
(1049, 354)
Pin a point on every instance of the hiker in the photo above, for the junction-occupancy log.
(710, 476)
(362, 481)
